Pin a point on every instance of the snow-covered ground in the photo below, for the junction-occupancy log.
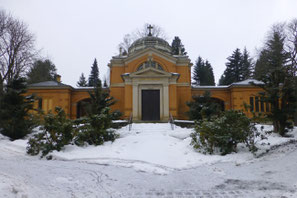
(151, 160)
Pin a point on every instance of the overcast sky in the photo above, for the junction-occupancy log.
(74, 32)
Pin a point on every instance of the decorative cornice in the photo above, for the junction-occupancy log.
(150, 51)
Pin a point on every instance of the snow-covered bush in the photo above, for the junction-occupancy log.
(224, 133)
(58, 131)
(94, 129)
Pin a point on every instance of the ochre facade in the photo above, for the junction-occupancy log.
(148, 69)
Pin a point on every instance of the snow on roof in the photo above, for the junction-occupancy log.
(210, 87)
(48, 84)
(247, 82)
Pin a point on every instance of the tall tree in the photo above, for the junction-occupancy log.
(197, 73)
(291, 45)
(203, 73)
(82, 82)
(17, 50)
(15, 119)
(94, 76)
(105, 85)
(42, 71)
(278, 80)
(247, 65)
(233, 71)
(292, 49)
(209, 77)
(177, 47)
(261, 66)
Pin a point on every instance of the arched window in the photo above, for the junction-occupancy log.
(148, 64)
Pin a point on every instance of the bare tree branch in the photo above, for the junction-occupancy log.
(292, 44)
(17, 50)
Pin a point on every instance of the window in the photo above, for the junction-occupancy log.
(262, 104)
(40, 103)
(267, 107)
(257, 103)
(252, 103)
(152, 64)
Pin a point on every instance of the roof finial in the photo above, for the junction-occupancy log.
(150, 27)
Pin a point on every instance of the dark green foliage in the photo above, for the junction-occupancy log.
(203, 107)
(203, 73)
(209, 77)
(233, 69)
(197, 73)
(261, 66)
(224, 133)
(105, 85)
(82, 82)
(115, 115)
(280, 91)
(94, 76)
(247, 65)
(42, 71)
(15, 118)
(99, 99)
(58, 131)
(238, 68)
(178, 47)
(95, 129)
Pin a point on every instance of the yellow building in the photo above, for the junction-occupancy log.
(148, 83)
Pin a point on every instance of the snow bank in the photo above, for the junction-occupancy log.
(149, 147)
(158, 149)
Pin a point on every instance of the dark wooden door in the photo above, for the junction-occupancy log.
(150, 104)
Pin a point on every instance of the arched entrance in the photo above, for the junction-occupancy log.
(81, 107)
(220, 102)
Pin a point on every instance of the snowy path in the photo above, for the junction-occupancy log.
(22, 176)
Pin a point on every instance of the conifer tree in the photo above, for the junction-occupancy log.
(197, 73)
(261, 66)
(94, 76)
(247, 65)
(178, 47)
(203, 73)
(41, 71)
(233, 71)
(278, 81)
(15, 119)
(209, 77)
(82, 81)
(238, 68)
(105, 83)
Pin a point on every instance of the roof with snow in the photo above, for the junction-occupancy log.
(247, 82)
(48, 84)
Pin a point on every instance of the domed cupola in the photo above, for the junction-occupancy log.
(150, 41)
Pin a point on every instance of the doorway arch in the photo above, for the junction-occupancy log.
(81, 107)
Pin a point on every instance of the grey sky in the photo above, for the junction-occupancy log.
(73, 32)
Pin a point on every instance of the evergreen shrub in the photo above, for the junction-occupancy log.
(58, 131)
(223, 133)
(94, 129)
(16, 121)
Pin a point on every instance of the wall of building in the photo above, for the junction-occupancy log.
(52, 98)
